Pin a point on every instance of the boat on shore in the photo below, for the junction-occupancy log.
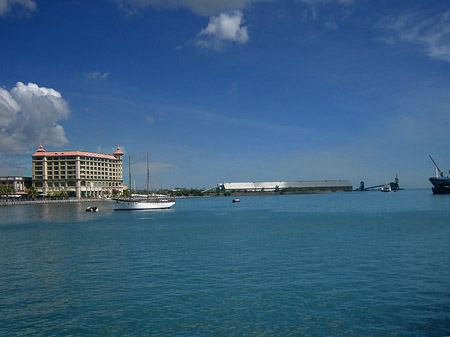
(441, 184)
(143, 201)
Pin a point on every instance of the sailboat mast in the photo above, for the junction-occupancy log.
(129, 173)
(148, 177)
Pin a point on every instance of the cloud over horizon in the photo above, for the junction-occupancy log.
(223, 29)
(28, 117)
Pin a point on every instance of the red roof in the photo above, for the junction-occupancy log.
(118, 152)
(42, 153)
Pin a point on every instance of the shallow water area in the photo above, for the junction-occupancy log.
(352, 264)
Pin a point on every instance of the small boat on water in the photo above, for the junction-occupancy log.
(236, 200)
(92, 209)
(386, 188)
(142, 202)
(441, 184)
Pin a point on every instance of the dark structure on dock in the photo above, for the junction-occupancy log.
(394, 186)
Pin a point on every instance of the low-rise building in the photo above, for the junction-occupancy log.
(275, 186)
(18, 184)
(79, 173)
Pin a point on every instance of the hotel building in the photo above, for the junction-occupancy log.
(79, 173)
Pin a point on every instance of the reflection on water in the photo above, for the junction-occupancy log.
(352, 264)
(67, 212)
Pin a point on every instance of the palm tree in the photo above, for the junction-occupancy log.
(6, 190)
(32, 193)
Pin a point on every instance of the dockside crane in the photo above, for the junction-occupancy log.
(438, 170)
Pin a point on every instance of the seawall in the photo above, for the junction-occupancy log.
(11, 202)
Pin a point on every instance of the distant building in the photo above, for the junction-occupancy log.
(18, 184)
(319, 185)
(80, 173)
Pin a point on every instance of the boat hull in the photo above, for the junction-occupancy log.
(440, 185)
(130, 205)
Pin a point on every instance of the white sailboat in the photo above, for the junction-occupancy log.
(142, 202)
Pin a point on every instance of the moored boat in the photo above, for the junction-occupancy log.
(386, 188)
(149, 202)
(142, 202)
(441, 184)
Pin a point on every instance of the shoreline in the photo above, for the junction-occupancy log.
(46, 201)
(11, 202)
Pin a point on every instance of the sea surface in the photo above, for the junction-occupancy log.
(340, 264)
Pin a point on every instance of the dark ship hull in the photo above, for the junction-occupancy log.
(441, 185)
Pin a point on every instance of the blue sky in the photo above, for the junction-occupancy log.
(241, 90)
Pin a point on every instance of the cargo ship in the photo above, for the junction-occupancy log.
(441, 184)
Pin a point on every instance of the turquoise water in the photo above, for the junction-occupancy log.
(351, 264)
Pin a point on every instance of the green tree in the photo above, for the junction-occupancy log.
(6, 190)
(32, 193)
(60, 194)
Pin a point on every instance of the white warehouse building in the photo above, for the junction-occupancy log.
(319, 185)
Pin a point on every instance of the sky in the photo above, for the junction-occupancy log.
(228, 91)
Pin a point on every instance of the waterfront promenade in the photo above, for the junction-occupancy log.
(12, 202)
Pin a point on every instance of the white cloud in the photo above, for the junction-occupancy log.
(223, 29)
(29, 116)
(96, 75)
(139, 166)
(331, 24)
(149, 120)
(139, 171)
(200, 7)
(14, 165)
(312, 12)
(6, 6)
(324, 2)
(234, 89)
(432, 33)
(208, 7)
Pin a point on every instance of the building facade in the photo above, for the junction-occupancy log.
(18, 184)
(272, 186)
(79, 173)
